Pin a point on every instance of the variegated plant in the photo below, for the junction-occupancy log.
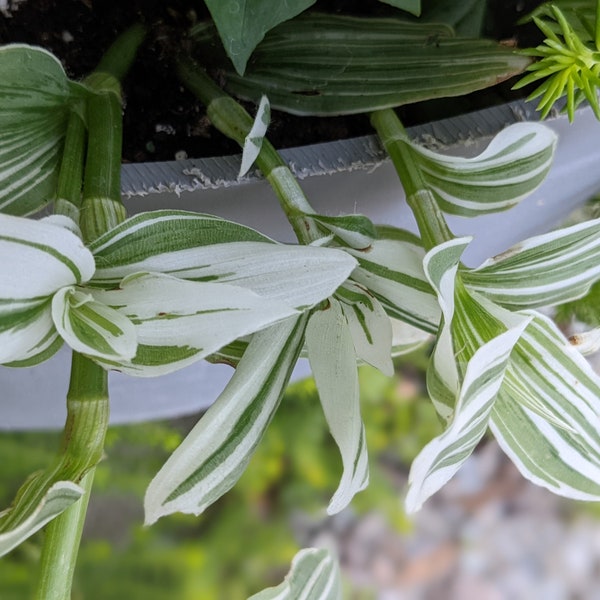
(155, 292)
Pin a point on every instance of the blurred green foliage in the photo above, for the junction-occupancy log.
(245, 541)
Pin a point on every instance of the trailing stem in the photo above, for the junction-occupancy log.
(233, 121)
(431, 222)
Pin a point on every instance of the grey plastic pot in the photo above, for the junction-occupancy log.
(346, 176)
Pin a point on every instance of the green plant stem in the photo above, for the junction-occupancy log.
(117, 60)
(233, 121)
(83, 446)
(70, 178)
(101, 207)
(597, 26)
(431, 222)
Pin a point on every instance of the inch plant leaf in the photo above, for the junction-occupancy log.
(370, 327)
(444, 455)
(392, 270)
(92, 328)
(254, 139)
(333, 363)
(215, 453)
(357, 231)
(35, 100)
(330, 65)
(242, 24)
(406, 338)
(38, 259)
(178, 322)
(314, 576)
(300, 276)
(57, 499)
(560, 448)
(544, 270)
(411, 6)
(162, 232)
(509, 169)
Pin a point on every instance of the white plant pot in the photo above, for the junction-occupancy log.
(338, 177)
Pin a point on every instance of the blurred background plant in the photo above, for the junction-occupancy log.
(246, 539)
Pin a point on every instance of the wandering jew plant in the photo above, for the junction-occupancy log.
(152, 293)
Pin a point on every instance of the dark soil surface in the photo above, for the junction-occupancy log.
(162, 119)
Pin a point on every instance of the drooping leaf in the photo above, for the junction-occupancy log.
(513, 165)
(548, 414)
(314, 576)
(35, 100)
(357, 231)
(57, 499)
(38, 259)
(215, 453)
(406, 338)
(93, 328)
(178, 322)
(370, 326)
(254, 139)
(542, 271)
(242, 24)
(392, 270)
(333, 363)
(328, 64)
(444, 455)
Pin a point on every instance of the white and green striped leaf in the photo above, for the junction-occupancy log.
(370, 327)
(38, 259)
(444, 455)
(35, 100)
(333, 363)
(513, 165)
(357, 231)
(215, 453)
(28, 337)
(392, 270)
(93, 328)
(544, 270)
(406, 338)
(314, 576)
(178, 322)
(586, 342)
(57, 499)
(254, 139)
(547, 415)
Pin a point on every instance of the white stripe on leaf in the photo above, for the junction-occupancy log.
(333, 362)
(184, 321)
(93, 328)
(215, 453)
(254, 139)
(314, 575)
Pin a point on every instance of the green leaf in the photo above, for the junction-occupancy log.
(406, 338)
(554, 441)
(215, 453)
(513, 165)
(392, 270)
(544, 270)
(357, 231)
(444, 455)
(314, 576)
(411, 6)
(35, 100)
(57, 499)
(38, 259)
(328, 64)
(242, 24)
(370, 326)
(254, 139)
(162, 232)
(178, 322)
(92, 328)
(333, 363)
